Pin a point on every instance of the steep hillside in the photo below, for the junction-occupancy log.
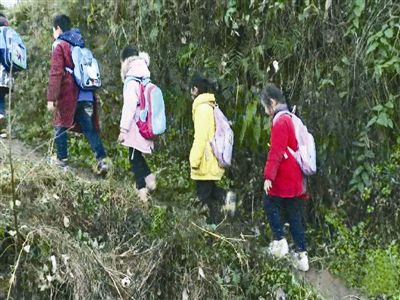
(338, 62)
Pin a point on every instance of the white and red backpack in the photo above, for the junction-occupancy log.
(152, 119)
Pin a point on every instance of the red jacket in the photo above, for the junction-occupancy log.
(281, 167)
(63, 90)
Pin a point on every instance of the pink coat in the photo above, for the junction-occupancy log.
(134, 66)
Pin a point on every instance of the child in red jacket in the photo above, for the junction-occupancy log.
(284, 182)
(72, 108)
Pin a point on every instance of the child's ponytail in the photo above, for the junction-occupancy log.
(288, 100)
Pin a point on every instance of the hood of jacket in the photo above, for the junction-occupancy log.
(136, 66)
(204, 98)
(73, 37)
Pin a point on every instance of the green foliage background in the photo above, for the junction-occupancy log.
(339, 64)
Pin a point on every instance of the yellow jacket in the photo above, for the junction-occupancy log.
(203, 163)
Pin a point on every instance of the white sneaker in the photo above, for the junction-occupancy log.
(2, 119)
(229, 207)
(300, 261)
(278, 248)
(151, 182)
(62, 164)
(143, 195)
(102, 167)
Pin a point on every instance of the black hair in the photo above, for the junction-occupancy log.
(289, 101)
(271, 91)
(129, 51)
(202, 84)
(63, 21)
(4, 22)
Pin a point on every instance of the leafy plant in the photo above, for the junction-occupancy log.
(382, 269)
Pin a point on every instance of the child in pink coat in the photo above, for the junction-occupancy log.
(134, 67)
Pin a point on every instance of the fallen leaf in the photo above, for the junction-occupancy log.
(185, 294)
(53, 264)
(66, 222)
(201, 273)
(27, 248)
(126, 281)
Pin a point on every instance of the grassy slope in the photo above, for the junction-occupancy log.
(98, 234)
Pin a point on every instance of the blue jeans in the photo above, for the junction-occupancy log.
(2, 104)
(273, 207)
(83, 116)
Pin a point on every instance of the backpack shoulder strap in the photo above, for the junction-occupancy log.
(130, 78)
(142, 85)
(213, 105)
(141, 80)
(4, 37)
(5, 29)
(280, 114)
(275, 119)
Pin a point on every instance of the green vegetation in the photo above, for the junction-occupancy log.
(85, 238)
(339, 62)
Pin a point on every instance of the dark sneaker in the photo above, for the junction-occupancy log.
(102, 167)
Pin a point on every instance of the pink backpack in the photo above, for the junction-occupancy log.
(222, 143)
(305, 155)
(152, 119)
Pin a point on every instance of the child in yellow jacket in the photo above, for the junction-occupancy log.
(205, 170)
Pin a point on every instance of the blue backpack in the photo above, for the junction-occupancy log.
(86, 69)
(12, 50)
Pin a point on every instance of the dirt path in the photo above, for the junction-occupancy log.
(327, 285)
(19, 150)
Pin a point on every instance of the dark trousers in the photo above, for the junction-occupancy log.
(139, 167)
(273, 207)
(84, 117)
(213, 196)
